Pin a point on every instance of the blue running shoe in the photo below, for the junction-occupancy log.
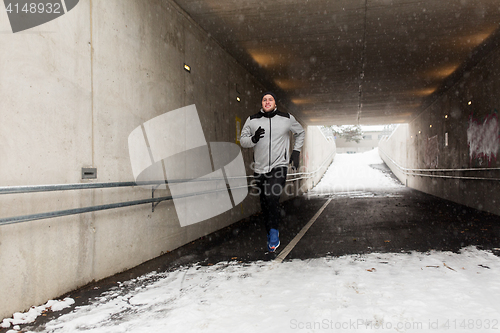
(273, 240)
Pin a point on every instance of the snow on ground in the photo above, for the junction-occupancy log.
(28, 317)
(395, 292)
(352, 172)
(389, 292)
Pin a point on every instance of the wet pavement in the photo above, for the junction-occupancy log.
(402, 220)
(395, 220)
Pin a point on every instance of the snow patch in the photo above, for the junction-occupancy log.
(30, 316)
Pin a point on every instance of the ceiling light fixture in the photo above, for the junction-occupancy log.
(238, 99)
(187, 68)
(470, 102)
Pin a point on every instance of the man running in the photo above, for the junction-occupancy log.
(268, 133)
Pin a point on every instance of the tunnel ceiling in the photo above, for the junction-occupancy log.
(350, 61)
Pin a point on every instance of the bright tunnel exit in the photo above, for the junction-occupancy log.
(357, 168)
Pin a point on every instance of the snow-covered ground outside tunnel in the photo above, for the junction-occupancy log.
(377, 292)
(352, 173)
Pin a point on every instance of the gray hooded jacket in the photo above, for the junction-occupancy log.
(273, 149)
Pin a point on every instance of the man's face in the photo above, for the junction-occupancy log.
(268, 103)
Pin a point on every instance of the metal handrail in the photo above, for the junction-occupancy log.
(67, 212)
(406, 172)
(41, 216)
(85, 186)
(453, 177)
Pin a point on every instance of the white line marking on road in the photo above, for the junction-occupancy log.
(301, 234)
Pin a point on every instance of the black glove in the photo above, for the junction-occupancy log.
(259, 134)
(294, 159)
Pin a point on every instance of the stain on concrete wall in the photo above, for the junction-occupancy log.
(431, 152)
(483, 139)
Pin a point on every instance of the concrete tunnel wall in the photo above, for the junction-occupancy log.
(72, 91)
(319, 153)
(455, 134)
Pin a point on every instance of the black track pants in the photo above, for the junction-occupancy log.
(270, 186)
